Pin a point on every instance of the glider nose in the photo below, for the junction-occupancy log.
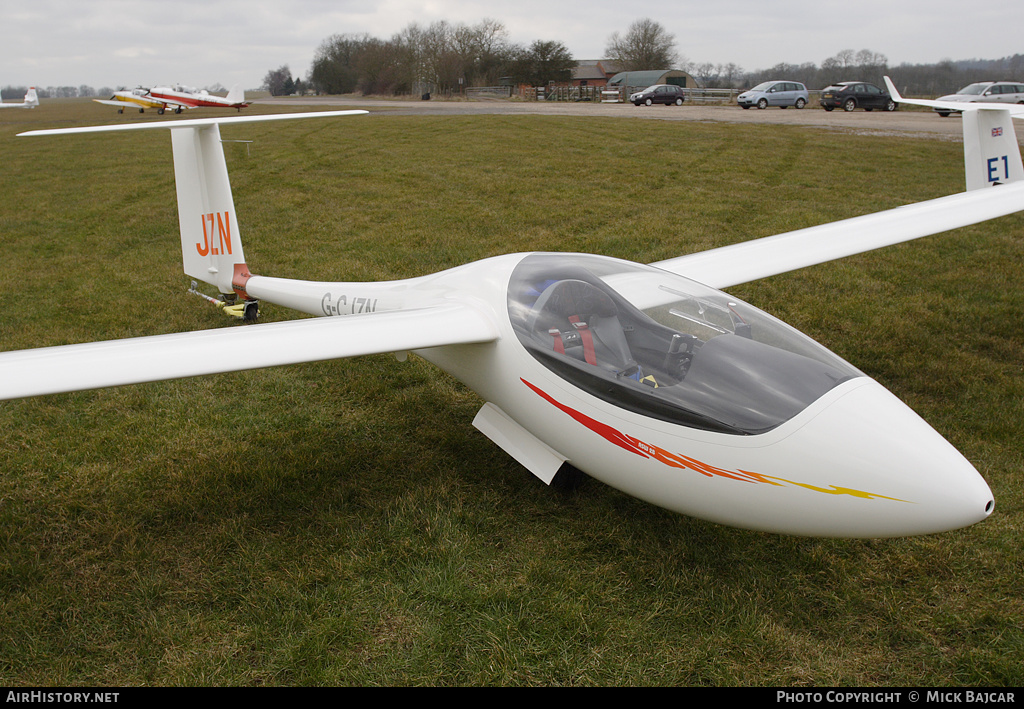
(911, 479)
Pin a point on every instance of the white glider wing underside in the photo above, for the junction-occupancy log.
(771, 255)
(93, 365)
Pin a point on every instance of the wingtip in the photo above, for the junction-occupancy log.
(892, 89)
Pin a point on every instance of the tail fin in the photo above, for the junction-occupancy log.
(31, 99)
(991, 153)
(236, 94)
(211, 245)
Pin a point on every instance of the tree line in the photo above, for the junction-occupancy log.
(943, 77)
(440, 58)
(445, 58)
(82, 91)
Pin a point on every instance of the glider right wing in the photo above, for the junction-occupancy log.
(93, 365)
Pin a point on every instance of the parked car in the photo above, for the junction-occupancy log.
(659, 93)
(987, 91)
(774, 93)
(851, 95)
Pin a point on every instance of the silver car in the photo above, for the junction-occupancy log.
(987, 91)
(774, 93)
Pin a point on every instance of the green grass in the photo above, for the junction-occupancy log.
(344, 524)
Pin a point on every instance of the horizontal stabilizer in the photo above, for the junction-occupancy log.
(211, 242)
(189, 123)
(1012, 109)
(991, 152)
(92, 365)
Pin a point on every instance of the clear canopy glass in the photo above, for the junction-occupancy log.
(665, 346)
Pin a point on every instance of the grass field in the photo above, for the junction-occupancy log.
(344, 524)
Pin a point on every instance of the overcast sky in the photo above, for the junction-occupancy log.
(117, 43)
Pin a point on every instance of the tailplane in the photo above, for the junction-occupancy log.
(991, 152)
(211, 243)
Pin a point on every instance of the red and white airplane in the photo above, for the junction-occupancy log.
(179, 98)
(646, 377)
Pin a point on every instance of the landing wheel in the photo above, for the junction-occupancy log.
(251, 312)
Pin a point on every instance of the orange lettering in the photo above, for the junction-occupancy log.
(204, 248)
(222, 244)
(224, 230)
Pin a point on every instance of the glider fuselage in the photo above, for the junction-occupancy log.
(840, 457)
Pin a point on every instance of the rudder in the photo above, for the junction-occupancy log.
(211, 244)
(991, 153)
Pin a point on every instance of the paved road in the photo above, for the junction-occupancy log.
(921, 123)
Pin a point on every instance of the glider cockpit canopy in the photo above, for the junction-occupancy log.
(667, 347)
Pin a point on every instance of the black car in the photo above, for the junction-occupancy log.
(659, 93)
(850, 95)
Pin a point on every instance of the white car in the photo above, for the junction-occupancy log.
(987, 91)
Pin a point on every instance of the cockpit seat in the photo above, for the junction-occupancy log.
(578, 319)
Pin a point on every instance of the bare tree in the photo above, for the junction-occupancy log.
(646, 45)
(706, 74)
(866, 57)
(279, 81)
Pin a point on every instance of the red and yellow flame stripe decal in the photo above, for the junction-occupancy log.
(674, 460)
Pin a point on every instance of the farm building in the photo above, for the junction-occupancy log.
(643, 79)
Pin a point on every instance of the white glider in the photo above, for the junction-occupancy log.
(644, 377)
(31, 100)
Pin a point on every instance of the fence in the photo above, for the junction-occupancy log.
(704, 96)
(560, 93)
(489, 92)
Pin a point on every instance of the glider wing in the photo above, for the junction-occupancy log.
(771, 255)
(92, 365)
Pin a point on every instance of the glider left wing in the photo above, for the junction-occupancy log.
(93, 365)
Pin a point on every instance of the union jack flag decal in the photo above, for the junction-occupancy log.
(996, 132)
